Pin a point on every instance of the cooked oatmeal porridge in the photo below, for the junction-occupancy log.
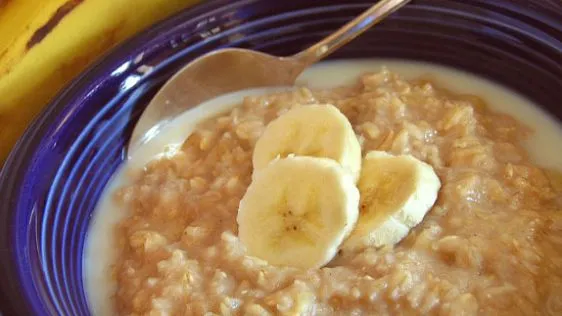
(490, 245)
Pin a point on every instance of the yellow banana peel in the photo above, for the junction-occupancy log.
(44, 44)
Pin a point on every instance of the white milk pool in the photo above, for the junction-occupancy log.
(99, 251)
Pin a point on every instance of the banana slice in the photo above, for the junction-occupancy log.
(297, 211)
(319, 130)
(396, 193)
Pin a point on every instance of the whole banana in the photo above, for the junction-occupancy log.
(44, 44)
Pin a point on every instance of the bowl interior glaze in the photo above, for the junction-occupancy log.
(50, 184)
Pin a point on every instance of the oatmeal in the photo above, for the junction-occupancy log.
(491, 244)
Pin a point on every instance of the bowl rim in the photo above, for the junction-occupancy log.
(64, 103)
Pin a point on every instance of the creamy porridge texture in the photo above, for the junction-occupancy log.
(491, 245)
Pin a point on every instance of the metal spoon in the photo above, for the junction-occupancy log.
(232, 69)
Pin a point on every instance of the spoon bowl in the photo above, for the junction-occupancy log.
(219, 72)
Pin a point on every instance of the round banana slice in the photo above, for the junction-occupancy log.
(297, 211)
(319, 130)
(396, 193)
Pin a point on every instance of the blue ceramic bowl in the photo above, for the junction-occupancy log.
(50, 184)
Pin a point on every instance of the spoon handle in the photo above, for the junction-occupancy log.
(348, 32)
